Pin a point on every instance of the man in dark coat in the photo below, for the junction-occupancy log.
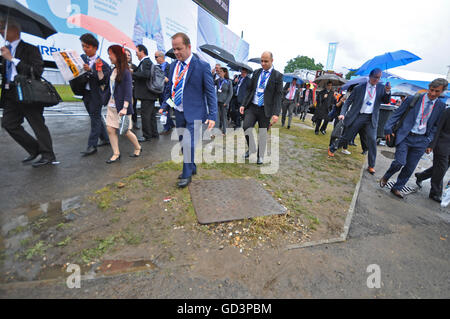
(441, 158)
(325, 102)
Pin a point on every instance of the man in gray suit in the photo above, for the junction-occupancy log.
(291, 100)
(365, 100)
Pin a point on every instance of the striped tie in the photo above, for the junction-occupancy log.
(179, 89)
(262, 86)
(8, 67)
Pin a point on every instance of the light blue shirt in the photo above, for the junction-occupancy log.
(417, 128)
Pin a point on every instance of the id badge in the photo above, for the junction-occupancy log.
(6, 86)
(170, 102)
(369, 103)
(260, 90)
(422, 127)
(220, 91)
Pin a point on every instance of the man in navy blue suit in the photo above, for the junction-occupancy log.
(365, 101)
(192, 95)
(416, 134)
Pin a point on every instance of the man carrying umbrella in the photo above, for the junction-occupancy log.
(22, 58)
(365, 100)
(291, 100)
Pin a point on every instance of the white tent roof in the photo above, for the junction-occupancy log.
(414, 75)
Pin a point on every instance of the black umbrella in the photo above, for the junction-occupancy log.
(237, 66)
(218, 53)
(30, 22)
(170, 54)
(400, 94)
(255, 60)
(336, 80)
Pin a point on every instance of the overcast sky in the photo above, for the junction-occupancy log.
(363, 29)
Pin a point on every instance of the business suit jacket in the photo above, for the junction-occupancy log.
(243, 89)
(324, 104)
(227, 92)
(310, 96)
(441, 142)
(296, 98)
(199, 94)
(410, 119)
(140, 76)
(123, 91)
(29, 56)
(356, 100)
(99, 92)
(272, 94)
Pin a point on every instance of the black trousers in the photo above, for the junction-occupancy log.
(13, 116)
(223, 114)
(134, 117)
(148, 119)
(252, 115)
(436, 173)
(324, 125)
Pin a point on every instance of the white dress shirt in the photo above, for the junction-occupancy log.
(174, 77)
(91, 64)
(371, 92)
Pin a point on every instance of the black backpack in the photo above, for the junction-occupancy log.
(155, 83)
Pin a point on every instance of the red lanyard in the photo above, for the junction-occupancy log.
(423, 110)
(179, 76)
(371, 94)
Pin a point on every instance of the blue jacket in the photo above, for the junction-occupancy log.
(199, 94)
(410, 119)
(123, 91)
(98, 96)
(243, 90)
(356, 99)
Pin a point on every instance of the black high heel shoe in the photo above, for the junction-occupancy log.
(137, 155)
(110, 161)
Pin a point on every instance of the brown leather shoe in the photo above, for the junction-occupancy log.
(383, 182)
(371, 170)
(397, 193)
(330, 154)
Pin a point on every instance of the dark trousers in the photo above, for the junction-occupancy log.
(235, 114)
(303, 110)
(363, 122)
(134, 115)
(324, 125)
(169, 124)
(223, 111)
(13, 116)
(148, 119)
(186, 136)
(287, 107)
(252, 115)
(407, 156)
(98, 128)
(436, 172)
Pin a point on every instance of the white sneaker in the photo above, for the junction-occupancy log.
(346, 152)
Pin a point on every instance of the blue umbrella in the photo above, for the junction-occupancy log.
(358, 80)
(288, 77)
(388, 60)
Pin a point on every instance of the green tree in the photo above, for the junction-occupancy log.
(349, 75)
(302, 62)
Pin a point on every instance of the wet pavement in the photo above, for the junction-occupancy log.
(408, 239)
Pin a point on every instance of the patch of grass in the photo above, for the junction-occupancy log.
(66, 93)
(17, 230)
(65, 242)
(103, 245)
(104, 198)
(39, 249)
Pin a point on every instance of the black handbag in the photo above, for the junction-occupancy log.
(35, 92)
(396, 127)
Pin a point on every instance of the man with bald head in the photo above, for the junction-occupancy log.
(263, 101)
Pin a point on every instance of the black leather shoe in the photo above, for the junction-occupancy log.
(288, 127)
(364, 152)
(89, 151)
(30, 158)
(317, 133)
(353, 144)
(184, 182)
(418, 181)
(260, 161)
(110, 161)
(181, 175)
(103, 143)
(247, 155)
(42, 162)
(397, 193)
(323, 132)
(435, 198)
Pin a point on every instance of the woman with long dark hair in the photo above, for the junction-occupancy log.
(119, 104)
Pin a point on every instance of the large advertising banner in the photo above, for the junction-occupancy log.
(148, 22)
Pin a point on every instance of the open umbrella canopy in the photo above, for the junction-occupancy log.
(237, 66)
(335, 79)
(400, 94)
(218, 53)
(102, 28)
(30, 22)
(388, 60)
(358, 80)
(170, 54)
(255, 60)
(288, 77)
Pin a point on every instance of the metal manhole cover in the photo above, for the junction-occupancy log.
(406, 190)
(231, 199)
